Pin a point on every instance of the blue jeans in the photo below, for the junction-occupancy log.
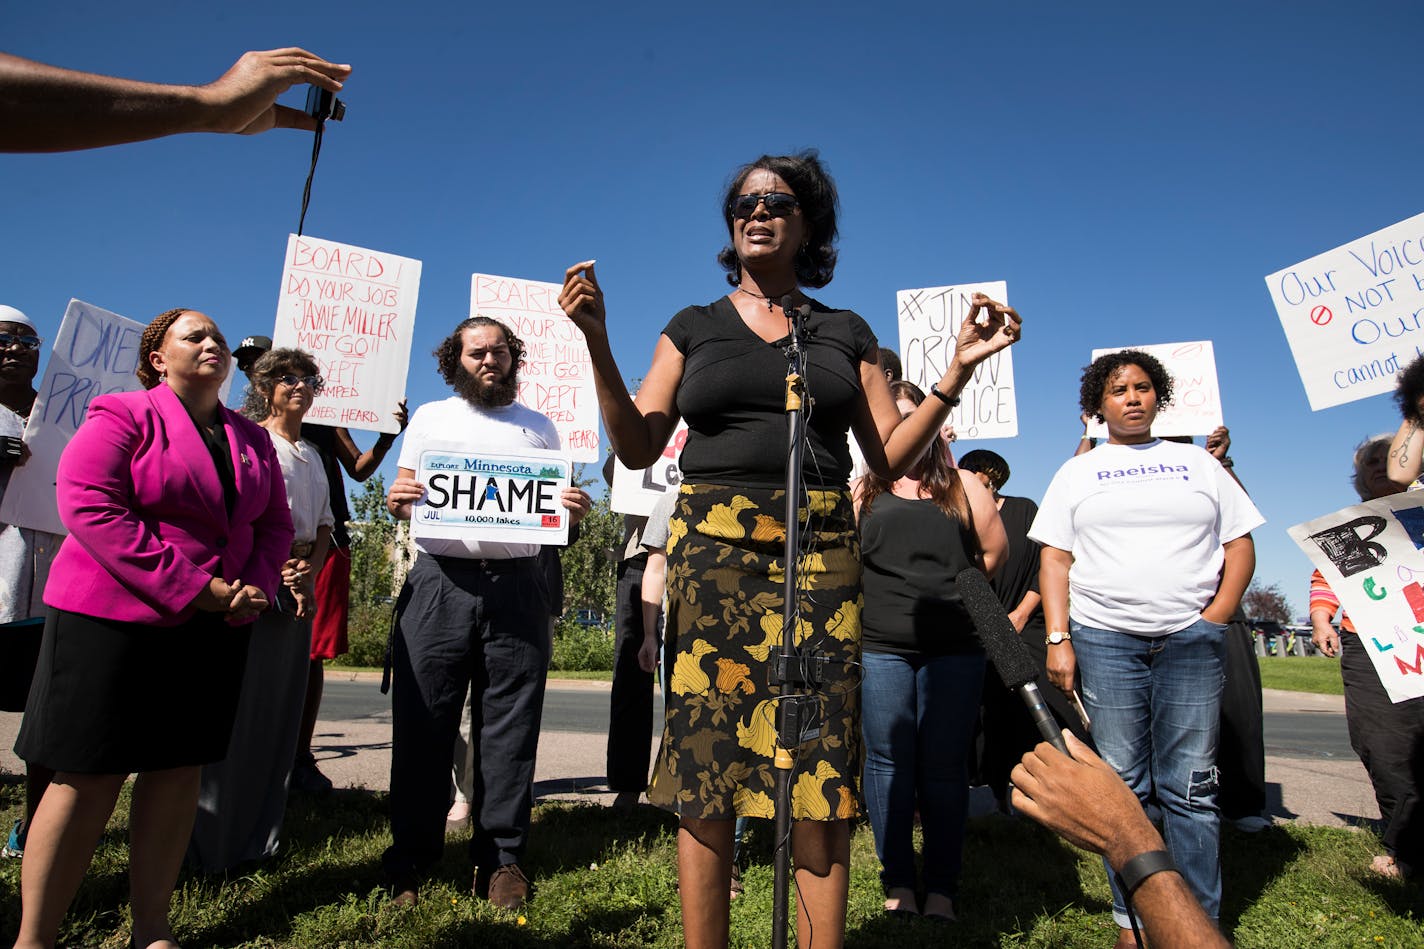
(917, 718)
(1155, 703)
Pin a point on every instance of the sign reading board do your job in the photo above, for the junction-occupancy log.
(492, 497)
(354, 310)
(556, 379)
(929, 330)
(1370, 555)
(1354, 316)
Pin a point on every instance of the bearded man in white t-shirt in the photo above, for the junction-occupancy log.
(472, 615)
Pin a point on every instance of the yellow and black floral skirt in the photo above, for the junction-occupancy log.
(725, 590)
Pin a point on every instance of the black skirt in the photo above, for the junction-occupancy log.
(115, 698)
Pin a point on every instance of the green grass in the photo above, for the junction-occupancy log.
(1301, 674)
(608, 879)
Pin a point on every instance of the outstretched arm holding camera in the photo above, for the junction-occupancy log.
(49, 109)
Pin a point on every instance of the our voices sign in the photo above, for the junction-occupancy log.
(929, 329)
(1196, 394)
(354, 310)
(494, 497)
(1354, 316)
(1370, 555)
(95, 353)
(557, 377)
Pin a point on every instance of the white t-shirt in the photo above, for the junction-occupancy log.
(454, 421)
(308, 496)
(1145, 525)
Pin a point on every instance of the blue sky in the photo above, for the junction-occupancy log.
(1132, 173)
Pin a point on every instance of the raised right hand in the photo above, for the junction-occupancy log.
(582, 299)
(244, 99)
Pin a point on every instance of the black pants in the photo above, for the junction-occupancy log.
(1389, 738)
(630, 713)
(474, 624)
(1008, 730)
(1241, 751)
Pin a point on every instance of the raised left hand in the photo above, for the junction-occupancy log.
(1218, 443)
(1001, 328)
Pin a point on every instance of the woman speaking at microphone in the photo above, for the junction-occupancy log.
(723, 367)
(1150, 543)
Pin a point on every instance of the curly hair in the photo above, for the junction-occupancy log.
(988, 463)
(937, 476)
(815, 191)
(1409, 390)
(447, 354)
(262, 378)
(1098, 373)
(150, 342)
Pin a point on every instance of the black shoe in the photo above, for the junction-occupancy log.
(307, 779)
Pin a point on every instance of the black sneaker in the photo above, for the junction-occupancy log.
(307, 779)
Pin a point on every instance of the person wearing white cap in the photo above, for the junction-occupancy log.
(25, 554)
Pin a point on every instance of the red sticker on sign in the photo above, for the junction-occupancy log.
(1321, 315)
(550, 520)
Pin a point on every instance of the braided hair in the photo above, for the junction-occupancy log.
(152, 341)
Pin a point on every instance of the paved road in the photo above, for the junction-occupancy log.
(582, 710)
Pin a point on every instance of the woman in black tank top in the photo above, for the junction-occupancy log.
(923, 665)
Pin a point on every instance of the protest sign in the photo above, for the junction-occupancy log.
(492, 497)
(95, 353)
(1354, 316)
(1196, 396)
(557, 377)
(929, 329)
(636, 492)
(354, 310)
(1370, 555)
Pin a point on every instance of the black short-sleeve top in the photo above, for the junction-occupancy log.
(733, 396)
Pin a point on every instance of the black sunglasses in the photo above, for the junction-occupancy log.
(27, 341)
(778, 204)
(314, 383)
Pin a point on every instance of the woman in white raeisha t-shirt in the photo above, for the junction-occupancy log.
(1150, 542)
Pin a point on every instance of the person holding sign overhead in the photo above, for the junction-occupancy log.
(472, 616)
(1153, 540)
(178, 530)
(723, 367)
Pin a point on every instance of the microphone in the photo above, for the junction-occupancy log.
(1006, 651)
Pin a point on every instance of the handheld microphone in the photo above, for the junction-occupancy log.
(1006, 652)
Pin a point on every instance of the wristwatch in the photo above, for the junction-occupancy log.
(1053, 639)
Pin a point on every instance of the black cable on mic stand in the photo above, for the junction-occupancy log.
(790, 674)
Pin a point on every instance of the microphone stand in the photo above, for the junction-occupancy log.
(797, 707)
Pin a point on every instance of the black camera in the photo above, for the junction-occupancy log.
(322, 104)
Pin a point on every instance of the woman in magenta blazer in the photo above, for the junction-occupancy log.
(178, 528)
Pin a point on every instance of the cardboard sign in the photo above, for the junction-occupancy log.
(1370, 555)
(637, 492)
(354, 310)
(1353, 315)
(929, 330)
(557, 377)
(94, 354)
(496, 497)
(1196, 397)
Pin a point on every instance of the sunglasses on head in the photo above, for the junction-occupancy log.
(314, 383)
(778, 204)
(24, 341)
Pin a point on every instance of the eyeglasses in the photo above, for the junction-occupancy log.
(778, 204)
(27, 341)
(314, 383)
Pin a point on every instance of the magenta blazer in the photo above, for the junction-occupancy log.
(148, 527)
